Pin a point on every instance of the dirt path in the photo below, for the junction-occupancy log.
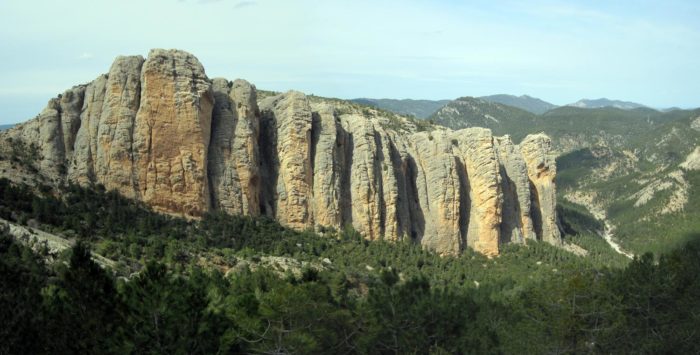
(35, 238)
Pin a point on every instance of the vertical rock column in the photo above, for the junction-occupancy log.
(50, 138)
(395, 207)
(82, 165)
(233, 151)
(515, 185)
(172, 131)
(366, 180)
(477, 152)
(114, 158)
(53, 132)
(438, 187)
(541, 168)
(327, 168)
(288, 159)
(71, 104)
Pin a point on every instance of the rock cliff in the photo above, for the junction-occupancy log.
(158, 130)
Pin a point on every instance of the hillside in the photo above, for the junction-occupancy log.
(236, 284)
(647, 184)
(603, 102)
(474, 112)
(407, 107)
(523, 102)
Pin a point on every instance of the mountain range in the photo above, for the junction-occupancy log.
(427, 108)
(603, 102)
(524, 102)
(407, 107)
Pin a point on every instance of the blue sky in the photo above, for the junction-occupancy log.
(560, 51)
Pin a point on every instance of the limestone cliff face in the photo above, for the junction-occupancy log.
(542, 170)
(113, 153)
(158, 130)
(327, 164)
(287, 121)
(485, 195)
(515, 184)
(171, 133)
(82, 166)
(437, 164)
(234, 170)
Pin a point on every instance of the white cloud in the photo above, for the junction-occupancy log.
(242, 4)
(86, 55)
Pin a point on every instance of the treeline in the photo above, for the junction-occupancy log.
(369, 297)
(80, 308)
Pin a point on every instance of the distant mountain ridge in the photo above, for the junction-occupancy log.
(428, 108)
(409, 107)
(603, 102)
(476, 112)
(524, 102)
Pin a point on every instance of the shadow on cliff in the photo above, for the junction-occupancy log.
(415, 213)
(345, 143)
(269, 163)
(223, 122)
(379, 181)
(510, 215)
(535, 212)
(464, 203)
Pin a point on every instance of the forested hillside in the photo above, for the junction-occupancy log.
(237, 284)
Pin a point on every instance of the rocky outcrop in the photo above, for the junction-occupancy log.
(515, 184)
(541, 169)
(287, 121)
(82, 166)
(439, 208)
(160, 131)
(367, 209)
(113, 155)
(234, 170)
(171, 133)
(327, 155)
(477, 151)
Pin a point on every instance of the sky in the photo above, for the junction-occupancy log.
(559, 51)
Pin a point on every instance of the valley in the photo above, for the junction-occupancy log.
(599, 213)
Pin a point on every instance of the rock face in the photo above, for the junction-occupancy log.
(287, 122)
(234, 156)
(541, 170)
(515, 184)
(327, 162)
(113, 153)
(158, 130)
(172, 132)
